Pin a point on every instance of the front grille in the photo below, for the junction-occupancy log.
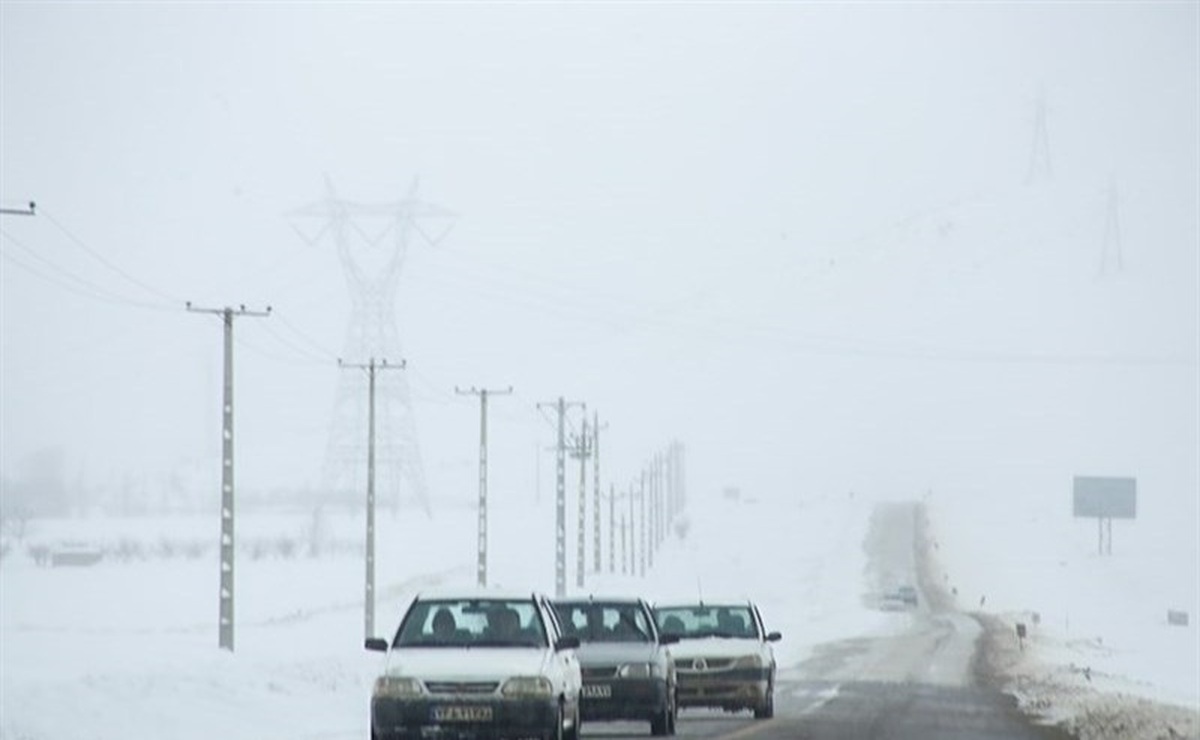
(461, 687)
(703, 665)
(599, 672)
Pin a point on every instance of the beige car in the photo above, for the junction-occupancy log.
(724, 657)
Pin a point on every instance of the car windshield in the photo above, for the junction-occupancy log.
(593, 621)
(439, 623)
(706, 621)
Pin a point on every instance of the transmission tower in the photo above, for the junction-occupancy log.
(1039, 152)
(372, 241)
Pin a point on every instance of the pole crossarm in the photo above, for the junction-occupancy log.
(30, 211)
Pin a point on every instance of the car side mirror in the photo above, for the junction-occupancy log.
(668, 638)
(567, 642)
(774, 637)
(377, 644)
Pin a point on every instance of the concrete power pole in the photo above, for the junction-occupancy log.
(1039, 152)
(483, 393)
(644, 538)
(583, 451)
(632, 531)
(560, 500)
(612, 528)
(225, 595)
(1112, 233)
(369, 582)
(596, 488)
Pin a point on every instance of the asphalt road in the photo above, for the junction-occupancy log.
(917, 685)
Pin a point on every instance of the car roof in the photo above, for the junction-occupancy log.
(601, 599)
(477, 592)
(705, 604)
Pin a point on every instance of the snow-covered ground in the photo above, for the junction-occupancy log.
(128, 650)
(1100, 655)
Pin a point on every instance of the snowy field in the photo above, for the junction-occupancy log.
(1098, 636)
(128, 650)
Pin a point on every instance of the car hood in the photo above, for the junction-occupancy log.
(471, 665)
(614, 653)
(718, 647)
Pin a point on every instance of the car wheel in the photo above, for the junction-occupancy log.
(573, 733)
(662, 723)
(673, 718)
(766, 710)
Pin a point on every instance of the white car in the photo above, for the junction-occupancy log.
(477, 664)
(724, 657)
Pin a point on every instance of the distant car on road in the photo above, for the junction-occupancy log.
(907, 594)
(477, 664)
(627, 667)
(724, 657)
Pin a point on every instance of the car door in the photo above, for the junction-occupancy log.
(566, 661)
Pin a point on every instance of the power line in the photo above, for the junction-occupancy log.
(107, 263)
(72, 282)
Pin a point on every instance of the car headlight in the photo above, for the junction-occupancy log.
(638, 670)
(527, 686)
(749, 661)
(396, 686)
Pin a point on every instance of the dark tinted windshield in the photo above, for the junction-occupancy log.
(707, 621)
(594, 621)
(472, 622)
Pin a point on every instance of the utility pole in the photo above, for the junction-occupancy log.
(583, 451)
(596, 484)
(19, 211)
(660, 498)
(1112, 232)
(632, 531)
(1039, 152)
(483, 393)
(225, 595)
(624, 550)
(369, 587)
(560, 500)
(652, 532)
(612, 528)
(644, 538)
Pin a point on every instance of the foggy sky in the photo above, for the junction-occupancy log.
(796, 237)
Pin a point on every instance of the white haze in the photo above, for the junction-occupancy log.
(797, 237)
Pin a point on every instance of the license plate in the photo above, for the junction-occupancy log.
(457, 713)
(596, 691)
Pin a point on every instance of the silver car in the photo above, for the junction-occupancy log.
(627, 667)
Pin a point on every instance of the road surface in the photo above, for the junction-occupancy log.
(918, 685)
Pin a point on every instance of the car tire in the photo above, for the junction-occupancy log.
(766, 710)
(573, 733)
(673, 719)
(663, 722)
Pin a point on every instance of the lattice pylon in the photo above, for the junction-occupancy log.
(371, 264)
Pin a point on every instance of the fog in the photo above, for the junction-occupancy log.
(811, 242)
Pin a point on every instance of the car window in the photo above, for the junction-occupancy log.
(707, 621)
(593, 621)
(472, 622)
